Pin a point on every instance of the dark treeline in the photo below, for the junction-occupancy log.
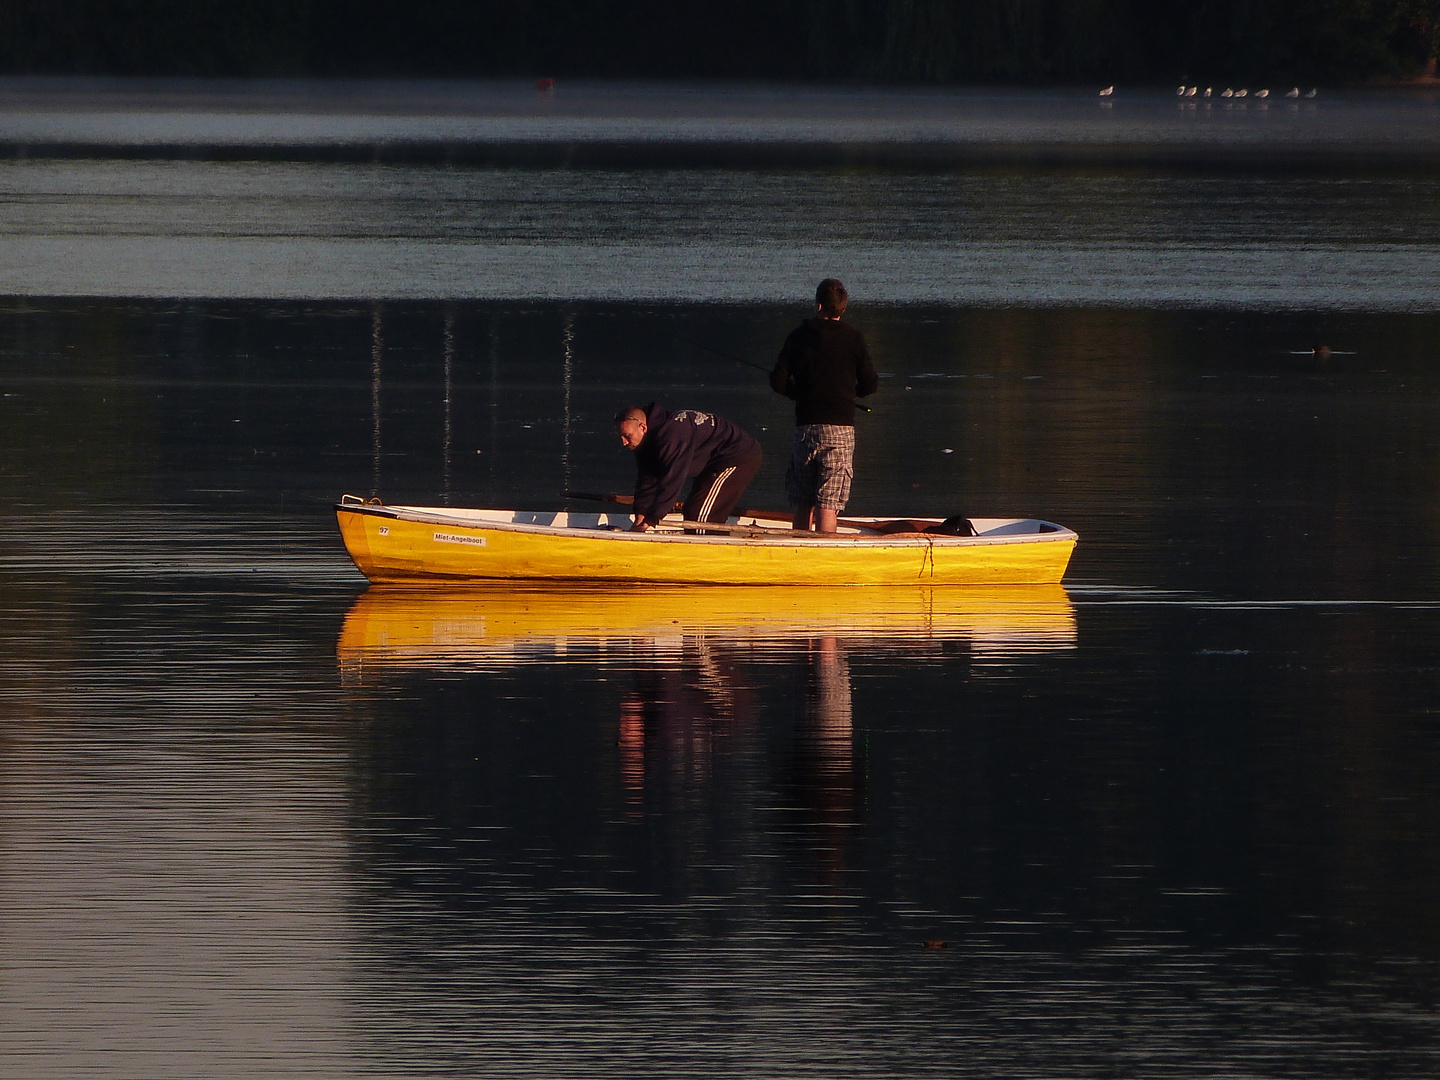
(1032, 41)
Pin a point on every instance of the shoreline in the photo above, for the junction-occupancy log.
(641, 155)
(644, 126)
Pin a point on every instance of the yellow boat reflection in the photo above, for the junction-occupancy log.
(408, 628)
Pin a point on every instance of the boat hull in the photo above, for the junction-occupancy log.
(427, 544)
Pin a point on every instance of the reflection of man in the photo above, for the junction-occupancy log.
(671, 448)
(631, 741)
(681, 709)
(823, 367)
(824, 774)
(827, 735)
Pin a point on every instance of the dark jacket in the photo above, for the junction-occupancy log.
(824, 366)
(679, 447)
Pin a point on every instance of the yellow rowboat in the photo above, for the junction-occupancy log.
(436, 544)
(392, 627)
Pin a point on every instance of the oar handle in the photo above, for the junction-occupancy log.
(590, 496)
(618, 500)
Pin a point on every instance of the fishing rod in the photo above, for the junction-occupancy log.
(741, 360)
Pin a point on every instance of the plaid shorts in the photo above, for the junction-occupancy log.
(822, 464)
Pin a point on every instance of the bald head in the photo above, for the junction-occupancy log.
(631, 424)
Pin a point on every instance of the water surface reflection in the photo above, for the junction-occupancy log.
(496, 627)
(1180, 818)
(698, 815)
(687, 649)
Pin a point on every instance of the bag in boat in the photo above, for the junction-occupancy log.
(951, 526)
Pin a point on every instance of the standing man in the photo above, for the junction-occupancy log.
(823, 367)
(671, 448)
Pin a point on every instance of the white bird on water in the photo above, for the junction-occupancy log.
(1262, 93)
(1293, 92)
(1192, 91)
(1107, 91)
(1227, 92)
(1312, 93)
(1181, 91)
(1241, 93)
(1208, 91)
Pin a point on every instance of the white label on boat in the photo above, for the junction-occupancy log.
(452, 538)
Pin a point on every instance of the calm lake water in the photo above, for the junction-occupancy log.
(1179, 818)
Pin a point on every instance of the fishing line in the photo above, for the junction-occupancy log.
(740, 360)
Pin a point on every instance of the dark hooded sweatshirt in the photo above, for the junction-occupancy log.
(679, 447)
(824, 366)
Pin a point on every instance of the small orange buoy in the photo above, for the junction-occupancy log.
(544, 84)
(934, 943)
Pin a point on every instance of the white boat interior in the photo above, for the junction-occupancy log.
(850, 525)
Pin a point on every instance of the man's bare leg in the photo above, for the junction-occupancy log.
(826, 521)
(801, 521)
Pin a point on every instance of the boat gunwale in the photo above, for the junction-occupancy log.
(437, 516)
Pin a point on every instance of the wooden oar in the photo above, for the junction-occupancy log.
(590, 496)
(758, 515)
(753, 531)
(709, 526)
(619, 500)
(852, 523)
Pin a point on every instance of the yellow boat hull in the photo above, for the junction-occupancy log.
(430, 544)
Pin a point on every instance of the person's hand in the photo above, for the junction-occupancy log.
(641, 525)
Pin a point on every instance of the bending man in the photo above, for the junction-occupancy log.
(824, 366)
(671, 448)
